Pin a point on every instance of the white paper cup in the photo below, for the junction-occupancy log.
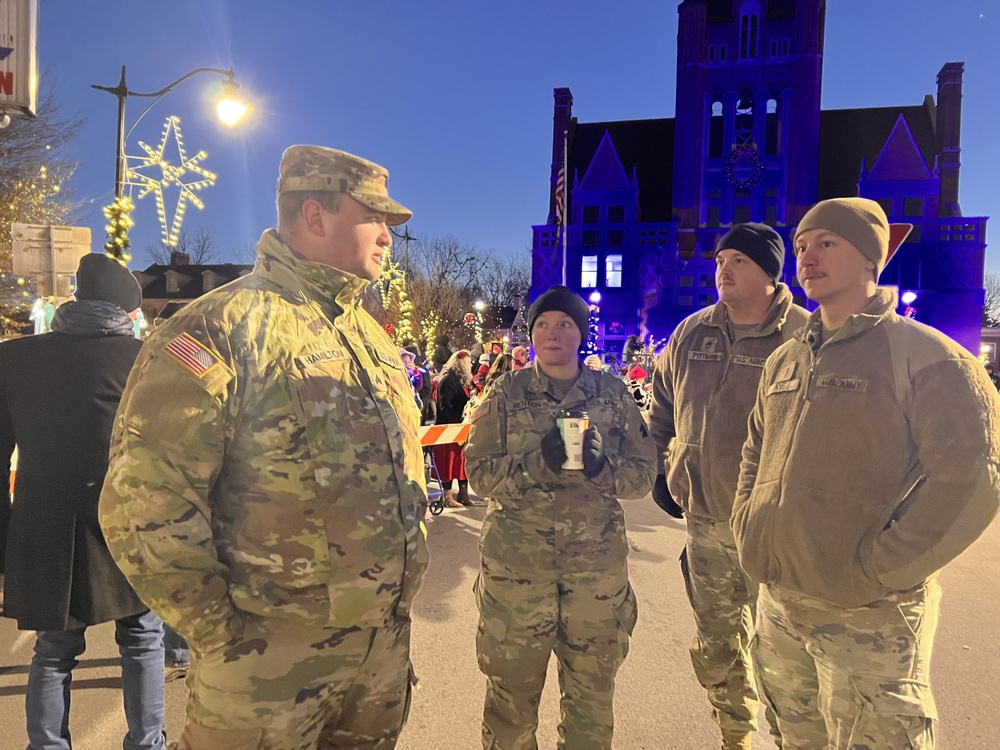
(572, 430)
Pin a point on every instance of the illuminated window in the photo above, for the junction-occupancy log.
(716, 134)
(613, 270)
(588, 271)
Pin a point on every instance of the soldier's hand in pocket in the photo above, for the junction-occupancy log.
(662, 497)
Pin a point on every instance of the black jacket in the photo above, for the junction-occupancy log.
(451, 400)
(58, 397)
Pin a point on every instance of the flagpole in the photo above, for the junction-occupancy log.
(565, 199)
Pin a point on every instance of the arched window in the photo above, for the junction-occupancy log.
(716, 129)
(772, 135)
(749, 27)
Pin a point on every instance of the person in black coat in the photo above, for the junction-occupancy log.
(442, 353)
(453, 392)
(58, 395)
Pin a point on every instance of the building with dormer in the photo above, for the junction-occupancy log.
(647, 200)
(181, 281)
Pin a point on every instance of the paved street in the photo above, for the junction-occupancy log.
(659, 705)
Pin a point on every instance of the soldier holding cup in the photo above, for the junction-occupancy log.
(554, 572)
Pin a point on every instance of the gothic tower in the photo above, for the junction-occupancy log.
(747, 70)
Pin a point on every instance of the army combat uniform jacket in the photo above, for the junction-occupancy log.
(704, 386)
(266, 459)
(564, 521)
(870, 463)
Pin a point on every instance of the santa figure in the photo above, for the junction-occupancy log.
(636, 385)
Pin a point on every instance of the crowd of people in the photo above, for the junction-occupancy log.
(249, 485)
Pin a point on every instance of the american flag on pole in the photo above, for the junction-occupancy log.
(561, 192)
(191, 353)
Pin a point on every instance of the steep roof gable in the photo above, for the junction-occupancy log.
(900, 158)
(605, 171)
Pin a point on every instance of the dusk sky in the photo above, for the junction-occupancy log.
(453, 97)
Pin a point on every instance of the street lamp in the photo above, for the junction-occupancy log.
(230, 109)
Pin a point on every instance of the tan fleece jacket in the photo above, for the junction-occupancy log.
(704, 386)
(870, 464)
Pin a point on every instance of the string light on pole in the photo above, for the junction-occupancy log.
(480, 306)
(592, 327)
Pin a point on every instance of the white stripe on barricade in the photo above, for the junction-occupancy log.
(443, 434)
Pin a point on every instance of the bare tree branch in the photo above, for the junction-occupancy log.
(33, 173)
(200, 248)
(991, 305)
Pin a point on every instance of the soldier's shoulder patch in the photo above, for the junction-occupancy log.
(191, 354)
(481, 411)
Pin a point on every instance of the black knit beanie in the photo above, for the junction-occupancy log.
(759, 243)
(102, 278)
(562, 299)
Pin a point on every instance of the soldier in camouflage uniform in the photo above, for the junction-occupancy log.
(871, 461)
(266, 485)
(554, 573)
(704, 386)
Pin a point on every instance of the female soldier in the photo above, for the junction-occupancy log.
(554, 572)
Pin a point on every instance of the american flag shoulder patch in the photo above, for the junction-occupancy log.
(191, 354)
(481, 411)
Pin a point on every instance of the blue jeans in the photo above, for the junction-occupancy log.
(140, 643)
(175, 649)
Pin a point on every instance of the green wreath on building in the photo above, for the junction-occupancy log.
(753, 159)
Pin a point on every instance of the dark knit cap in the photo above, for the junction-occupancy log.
(759, 243)
(562, 299)
(102, 278)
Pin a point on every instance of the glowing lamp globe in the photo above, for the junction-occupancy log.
(230, 111)
(908, 298)
(595, 297)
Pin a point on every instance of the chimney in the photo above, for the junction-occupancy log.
(949, 132)
(561, 118)
(178, 258)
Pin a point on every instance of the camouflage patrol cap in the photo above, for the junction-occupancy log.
(319, 168)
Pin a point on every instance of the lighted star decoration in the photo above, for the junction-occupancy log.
(170, 175)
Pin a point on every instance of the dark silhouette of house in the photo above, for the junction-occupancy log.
(180, 281)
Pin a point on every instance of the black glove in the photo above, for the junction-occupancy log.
(661, 496)
(593, 453)
(553, 450)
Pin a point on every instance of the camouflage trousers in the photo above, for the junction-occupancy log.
(848, 679)
(525, 614)
(723, 600)
(286, 686)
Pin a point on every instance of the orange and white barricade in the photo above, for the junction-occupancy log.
(441, 434)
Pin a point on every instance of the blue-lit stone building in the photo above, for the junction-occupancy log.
(648, 199)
